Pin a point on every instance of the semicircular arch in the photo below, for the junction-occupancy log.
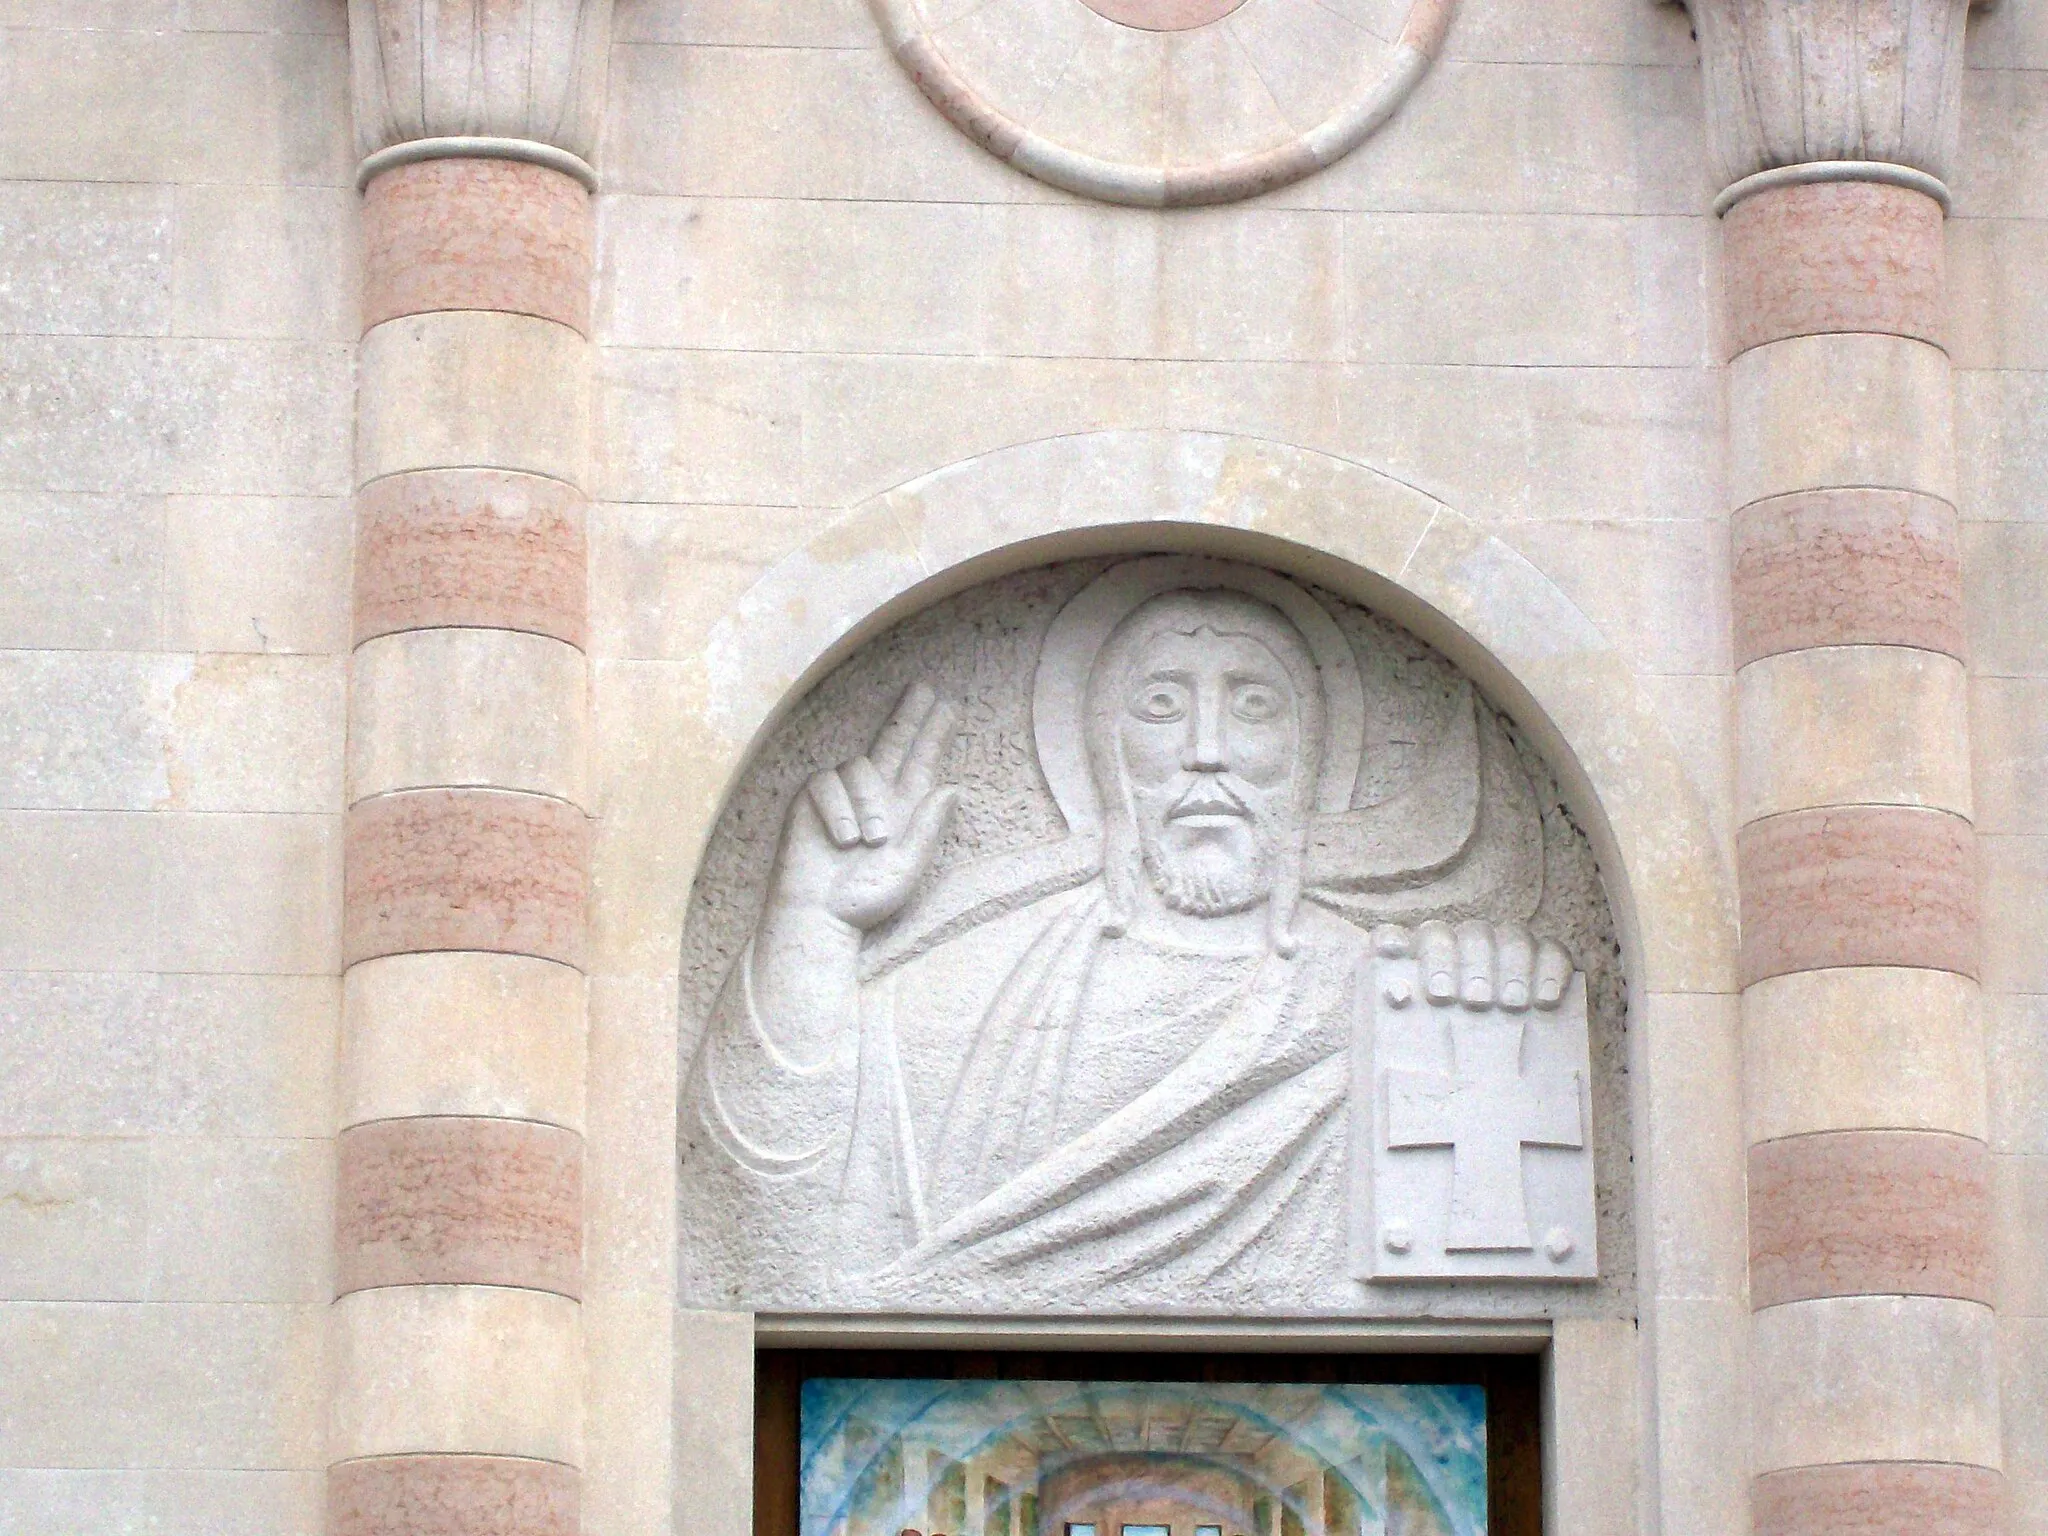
(1342, 524)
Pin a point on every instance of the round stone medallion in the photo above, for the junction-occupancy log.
(1166, 103)
(1164, 15)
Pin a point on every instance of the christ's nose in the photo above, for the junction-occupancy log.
(1205, 751)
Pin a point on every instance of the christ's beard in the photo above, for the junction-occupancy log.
(1207, 880)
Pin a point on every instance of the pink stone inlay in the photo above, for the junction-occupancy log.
(1875, 1498)
(474, 548)
(1857, 566)
(481, 869)
(1869, 1213)
(452, 1496)
(459, 1202)
(477, 234)
(1833, 257)
(1857, 885)
(1164, 15)
(1236, 179)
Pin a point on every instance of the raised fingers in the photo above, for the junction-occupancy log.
(934, 736)
(834, 807)
(870, 794)
(892, 745)
(1553, 973)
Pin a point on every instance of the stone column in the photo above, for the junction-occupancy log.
(456, 1344)
(1875, 1394)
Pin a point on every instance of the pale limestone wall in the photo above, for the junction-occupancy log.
(1998, 264)
(178, 302)
(811, 289)
(814, 289)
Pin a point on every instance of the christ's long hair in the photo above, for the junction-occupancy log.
(1188, 611)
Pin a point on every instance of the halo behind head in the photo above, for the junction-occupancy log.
(1078, 636)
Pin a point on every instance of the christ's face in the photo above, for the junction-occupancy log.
(1210, 737)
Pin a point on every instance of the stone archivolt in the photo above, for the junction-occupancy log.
(1167, 103)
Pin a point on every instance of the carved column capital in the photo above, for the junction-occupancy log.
(1828, 83)
(503, 79)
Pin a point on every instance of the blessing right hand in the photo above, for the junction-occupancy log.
(862, 835)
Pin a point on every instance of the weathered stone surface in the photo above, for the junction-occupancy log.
(1849, 1213)
(1164, 15)
(463, 1033)
(1153, 103)
(1480, 1160)
(1881, 1499)
(1847, 567)
(1814, 413)
(1864, 1047)
(1858, 885)
(246, 573)
(182, 1502)
(1091, 861)
(476, 548)
(477, 234)
(241, 1219)
(527, 69)
(453, 1496)
(459, 1202)
(1789, 83)
(1843, 256)
(188, 1387)
(1852, 725)
(1875, 1379)
(477, 1369)
(475, 708)
(466, 869)
(472, 389)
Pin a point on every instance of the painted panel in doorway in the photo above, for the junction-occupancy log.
(1055, 1458)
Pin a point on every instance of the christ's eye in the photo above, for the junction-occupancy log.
(1160, 703)
(1256, 702)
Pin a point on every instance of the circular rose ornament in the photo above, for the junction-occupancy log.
(1164, 15)
(1166, 103)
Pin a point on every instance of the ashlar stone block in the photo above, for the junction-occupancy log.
(1817, 412)
(1852, 725)
(478, 1369)
(467, 708)
(463, 1033)
(472, 389)
(1876, 1378)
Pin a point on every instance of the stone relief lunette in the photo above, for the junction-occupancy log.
(1141, 1052)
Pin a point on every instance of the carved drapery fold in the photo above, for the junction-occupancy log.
(1793, 82)
(530, 70)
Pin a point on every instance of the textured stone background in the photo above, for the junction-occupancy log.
(812, 288)
(981, 647)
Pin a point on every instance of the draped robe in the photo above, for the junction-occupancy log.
(1035, 1113)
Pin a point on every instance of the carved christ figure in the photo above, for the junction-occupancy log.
(1122, 1065)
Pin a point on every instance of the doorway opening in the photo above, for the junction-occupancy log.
(866, 1442)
